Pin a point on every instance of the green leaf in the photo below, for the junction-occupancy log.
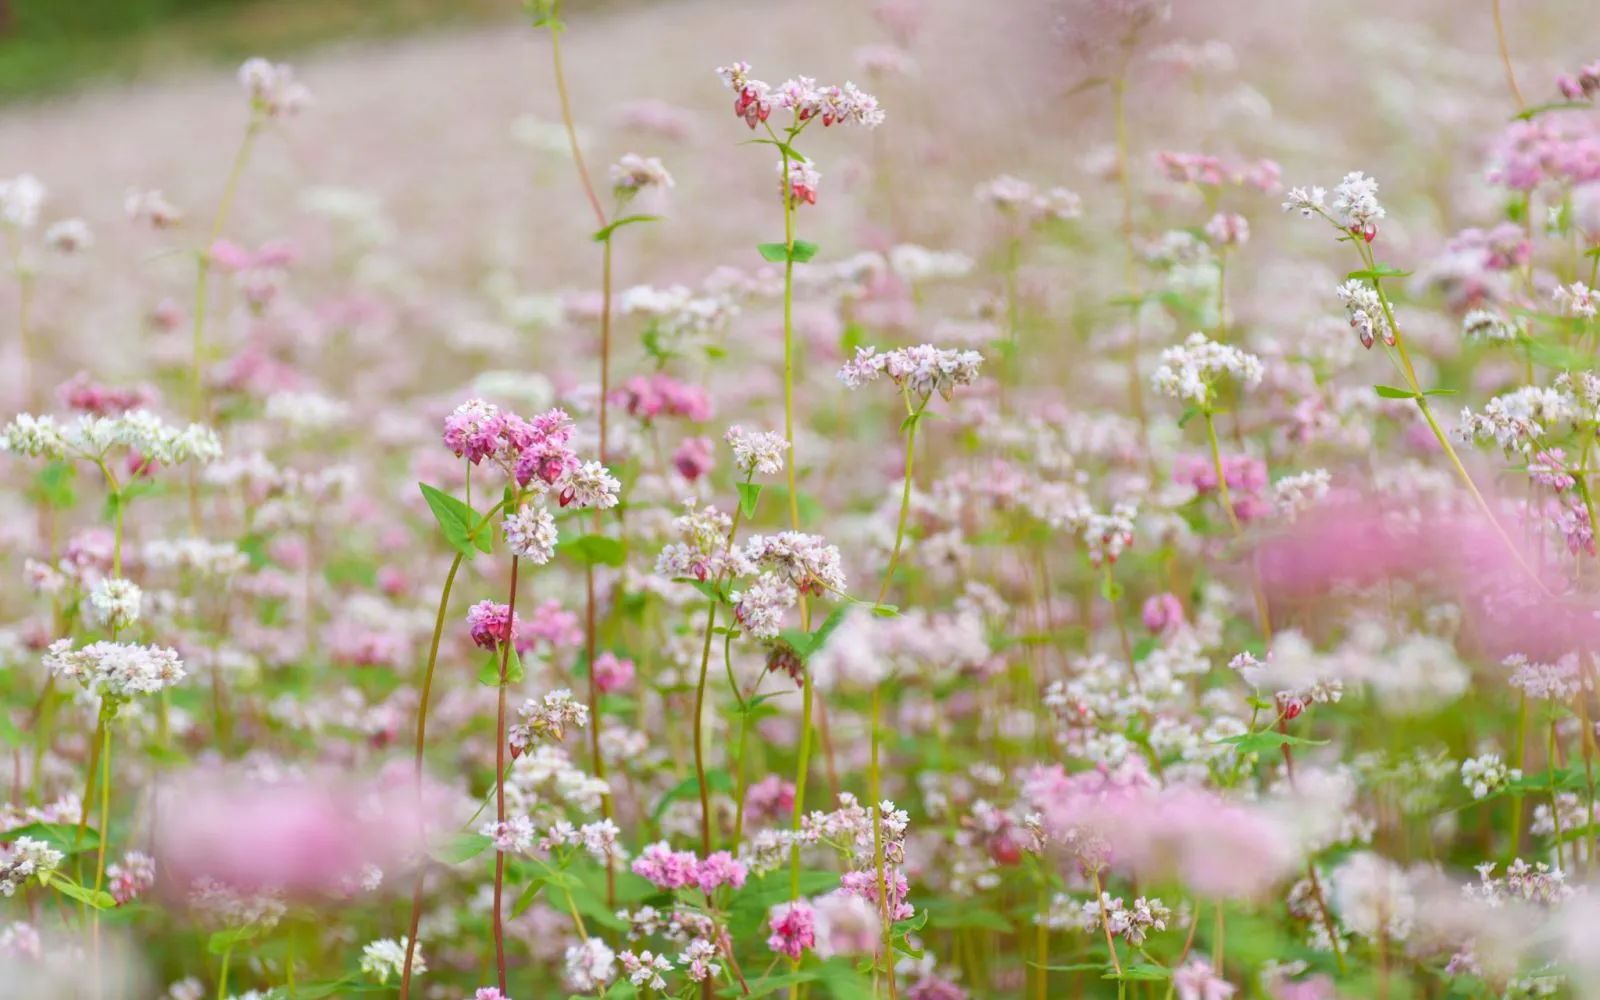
(1110, 589)
(1189, 414)
(461, 847)
(717, 780)
(62, 837)
(1592, 252)
(457, 521)
(1377, 271)
(525, 898)
(706, 587)
(777, 253)
(1267, 739)
(1142, 972)
(10, 735)
(768, 985)
(595, 549)
(793, 153)
(100, 901)
(749, 493)
(227, 940)
(886, 610)
(975, 917)
(1390, 392)
(53, 485)
(594, 907)
(799, 641)
(1439, 392)
(605, 234)
(829, 626)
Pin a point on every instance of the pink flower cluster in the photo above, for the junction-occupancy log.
(529, 449)
(646, 398)
(1246, 478)
(85, 395)
(492, 624)
(1211, 171)
(669, 869)
(1582, 87)
(755, 100)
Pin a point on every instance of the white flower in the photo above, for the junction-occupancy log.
(1306, 201)
(1189, 370)
(916, 263)
(1355, 201)
(590, 965)
(634, 173)
(1577, 299)
(69, 236)
(93, 437)
(1372, 897)
(387, 957)
(115, 603)
(272, 88)
(590, 485)
(531, 534)
(24, 859)
(1517, 421)
(1489, 326)
(1294, 495)
(1108, 534)
(1486, 775)
(115, 670)
(920, 370)
(548, 718)
(757, 451)
(1365, 311)
(645, 969)
(21, 197)
(151, 208)
(760, 607)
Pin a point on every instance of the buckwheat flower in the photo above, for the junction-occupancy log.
(1294, 495)
(531, 534)
(590, 965)
(491, 624)
(704, 552)
(753, 102)
(1517, 421)
(804, 561)
(699, 961)
(514, 836)
(1560, 681)
(1197, 980)
(1108, 534)
(1490, 327)
(115, 603)
(489, 993)
(387, 957)
(1577, 300)
(801, 181)
(1364, 309)
(69, 236)
(1228, 230)
(547, 718)
(633, 173)
(666, 868)
(1485, 775)
(717, 870)
(474, 430)
(918, 264)
(694, 458)
(1189, 371)
(590, 485)
(611, 672)
(1355, 201)
(151, 208)
(21, 198)
(645, 969)
(757, 451)
(23, 860)
(1057, 204)
(793, 927)
(272, 88)
(132, 878)
(113, 670)
(1372, 897)
(921, 370)
(1306, 201)
(1006, 193)
(1133, 924)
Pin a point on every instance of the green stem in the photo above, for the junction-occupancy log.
(1519, 760)
(222, 979)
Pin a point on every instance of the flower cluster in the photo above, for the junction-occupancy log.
(757, 452)
(273, 90)
(920, 371)
(756, 100)
(140, 433)
(115, 671)
(1190, 371)
(547, 718)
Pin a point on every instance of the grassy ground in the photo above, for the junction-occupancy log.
(43, 56)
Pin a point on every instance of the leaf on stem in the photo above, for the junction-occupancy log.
(457, 521)
(605, 234)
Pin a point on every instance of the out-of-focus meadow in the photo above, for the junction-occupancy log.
(1036, 498)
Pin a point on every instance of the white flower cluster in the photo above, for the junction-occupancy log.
(21, 198)
(151, 208)
(1108, 534)
(757, 451)
(387, 957)
(115, 670)
(93, 437)
(760, 607)
(598, 838)
(1561, 681)
(793, 563)
(590, 965)
(24, 859)
(1294, 495)
(1190, 370)
(548, 718)
(645, 969)
(531, 534)
(115, 603)
(1517, 421)
(915, 264)
(677, 316)
(1355, 202)
(1490, 327)
(590, 485)
(306, 411)
(920, 370)
(1487, 774)
(1577, 300)
(195, 555)
(272, 88)
(1131, 923)
(633, 173)
(1023, 200)
(1364, 309)
(704, 553)
(1372, 897)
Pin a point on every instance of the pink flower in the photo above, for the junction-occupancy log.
(793, 927)
(1197, 980)
(612, 673)
(1163, 613)
(694, 458)
(718, 870)
(769, 800)
(491, 624)
(666, 868)
(549, 623)
(846, 924)
(87, 396)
